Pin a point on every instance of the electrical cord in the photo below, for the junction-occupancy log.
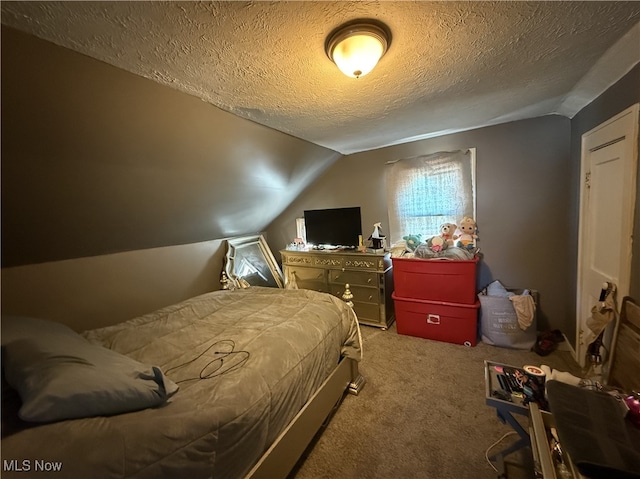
(486, 454)
(214, 368)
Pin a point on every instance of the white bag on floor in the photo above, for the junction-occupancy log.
(499, 321)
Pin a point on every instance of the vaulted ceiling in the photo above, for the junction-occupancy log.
(451, 65)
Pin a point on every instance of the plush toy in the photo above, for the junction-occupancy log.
(447, 231)
(467, 239)
(412, 241)
(437, 244)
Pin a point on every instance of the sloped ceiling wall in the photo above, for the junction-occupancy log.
(97, 160)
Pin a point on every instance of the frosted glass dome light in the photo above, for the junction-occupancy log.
(357, 47)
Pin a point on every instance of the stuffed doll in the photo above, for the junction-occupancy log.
(467, 240)
(437, 244)
(412, 241)
(447, 231)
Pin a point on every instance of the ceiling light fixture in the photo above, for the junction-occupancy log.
(357, 46)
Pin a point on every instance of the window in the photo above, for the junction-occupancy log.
(426, 191)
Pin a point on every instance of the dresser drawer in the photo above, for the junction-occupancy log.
(368, 311)
(307, 278)
(313, 286)
(361, 294)
(360, 278)
(298, 259)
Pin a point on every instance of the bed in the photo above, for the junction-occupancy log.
(236, 382)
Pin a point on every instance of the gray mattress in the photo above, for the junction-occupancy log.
(246, 362)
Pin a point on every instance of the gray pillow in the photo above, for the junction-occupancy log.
(60, 375)
(22, 327)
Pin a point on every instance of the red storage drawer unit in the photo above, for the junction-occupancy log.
(452, 281)
(450, 322)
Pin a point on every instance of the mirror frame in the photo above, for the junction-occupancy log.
(255, 242)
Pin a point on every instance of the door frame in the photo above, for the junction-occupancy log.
(621, 127)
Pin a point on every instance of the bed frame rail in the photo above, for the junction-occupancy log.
(284, 453)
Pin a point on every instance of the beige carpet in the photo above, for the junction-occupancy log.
(421, 414)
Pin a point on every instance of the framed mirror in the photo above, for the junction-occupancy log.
(249, 262)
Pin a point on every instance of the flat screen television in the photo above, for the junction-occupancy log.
(334, 226)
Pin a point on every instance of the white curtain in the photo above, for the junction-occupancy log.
(425, 191)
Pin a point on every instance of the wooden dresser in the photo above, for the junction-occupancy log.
(369, 275)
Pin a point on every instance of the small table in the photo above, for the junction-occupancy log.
(506, 405)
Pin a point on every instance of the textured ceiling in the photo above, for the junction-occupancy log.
(451, 65)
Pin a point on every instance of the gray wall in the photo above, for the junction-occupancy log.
(96, 160)
(527, 199)
(523, 203)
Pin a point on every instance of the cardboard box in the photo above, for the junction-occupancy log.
(450, 322)
(452, 281)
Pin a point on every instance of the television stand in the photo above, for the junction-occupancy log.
(369, 275)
